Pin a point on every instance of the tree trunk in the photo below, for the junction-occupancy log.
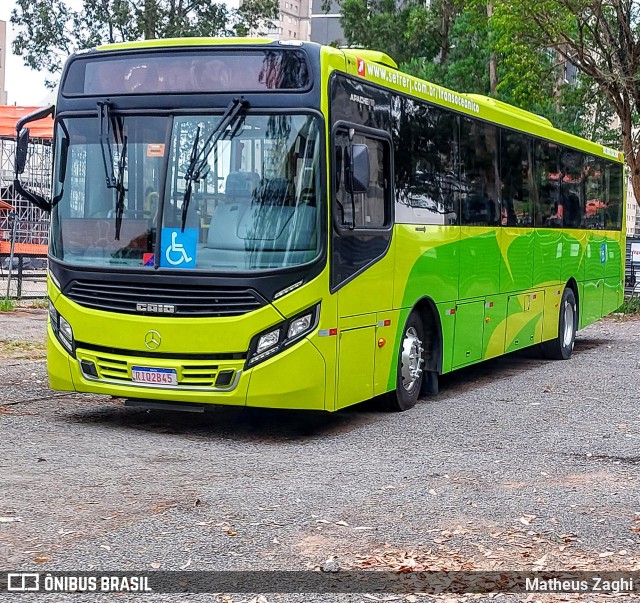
(493, 64)
(150, 19)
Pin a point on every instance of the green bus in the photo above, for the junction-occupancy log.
(288, 225)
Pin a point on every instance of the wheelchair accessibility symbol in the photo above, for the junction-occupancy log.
(179, 248)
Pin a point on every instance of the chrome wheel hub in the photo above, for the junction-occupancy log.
(569, 318)
(412, 359)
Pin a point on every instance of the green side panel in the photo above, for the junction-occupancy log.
(574, 247)
(613, 267)
(356, 365)
(591, 306)
(495, 313)
(612, 294)
(469, 326)
(552, 299)
(595, 257)
(428, 262)
(547, 262)
(448, 323)
(479, 262)
(297, 389)
(524, 320)
(370, 291)
(516, 270)
(386, 355)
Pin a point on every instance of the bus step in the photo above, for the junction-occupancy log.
(158, 405)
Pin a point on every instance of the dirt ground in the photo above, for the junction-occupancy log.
(519, 463)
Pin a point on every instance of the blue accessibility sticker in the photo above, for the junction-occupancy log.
(603, 253)
(178, 249)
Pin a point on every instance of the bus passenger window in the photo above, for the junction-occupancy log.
(516, 176)
(550, 209)
(573, 176)
(479, 178)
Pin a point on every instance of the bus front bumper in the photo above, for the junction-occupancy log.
(293, 379)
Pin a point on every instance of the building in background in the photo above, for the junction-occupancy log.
(293, 22)
(325, 26)
(3, 60)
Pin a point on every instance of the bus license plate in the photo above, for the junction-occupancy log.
(154, 376)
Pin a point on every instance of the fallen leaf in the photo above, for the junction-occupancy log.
(155, 565)
(432, 492)
(363, 528)
(527, 519)
(606, 554)
(275, 541)
(9, 519)
(186, 565)
(411, 598)
(106, 547)
(231, 533)
(258, 599)
(197, 503)
(341, 523)
(42, 559)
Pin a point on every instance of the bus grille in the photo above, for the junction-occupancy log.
(187, 300)
(188, 376)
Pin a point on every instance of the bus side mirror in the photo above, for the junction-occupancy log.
(356, 168)
(22, 148)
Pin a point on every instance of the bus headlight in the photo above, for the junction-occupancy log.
(62, 329)
(268, 340)
(268, 343)
(300, 325)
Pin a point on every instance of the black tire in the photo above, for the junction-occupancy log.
(408, 383)
(561, 347)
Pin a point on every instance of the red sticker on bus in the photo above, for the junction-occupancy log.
(155, 150)
(361, 67)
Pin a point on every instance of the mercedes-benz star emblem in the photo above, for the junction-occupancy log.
(152, 340)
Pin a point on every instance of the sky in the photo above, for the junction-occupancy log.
(25, 86)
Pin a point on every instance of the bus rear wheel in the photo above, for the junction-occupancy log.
(410, 371)
(561, 347)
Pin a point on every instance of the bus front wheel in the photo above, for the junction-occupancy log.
(410, 369)
(561, 347)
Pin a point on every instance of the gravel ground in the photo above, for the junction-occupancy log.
(519, 463)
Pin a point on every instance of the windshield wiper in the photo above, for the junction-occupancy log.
(114, 180)
(198, 160)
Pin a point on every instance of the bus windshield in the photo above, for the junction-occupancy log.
(237, 198)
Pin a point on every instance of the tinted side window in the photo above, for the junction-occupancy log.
(516, 174)
(426, 153)
(613, 187)
(595, 193)
(575, 171)
(370, 209)
(479, 177)
(549, 209)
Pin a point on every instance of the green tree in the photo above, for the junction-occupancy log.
(404, 31)
(602, 39)
(477, 46)
(49, 30)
